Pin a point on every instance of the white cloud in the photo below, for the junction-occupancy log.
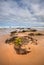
(14, 13)
(11, 11)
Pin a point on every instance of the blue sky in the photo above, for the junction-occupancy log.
(27, 13)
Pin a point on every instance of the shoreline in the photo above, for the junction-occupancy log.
(8, 30)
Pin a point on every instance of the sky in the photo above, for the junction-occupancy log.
(22, 13)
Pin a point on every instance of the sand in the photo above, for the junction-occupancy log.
(8, 55)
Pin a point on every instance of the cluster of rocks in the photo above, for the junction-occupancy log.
(20, 41)
(25, 41)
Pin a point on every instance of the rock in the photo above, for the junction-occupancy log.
(21, 51)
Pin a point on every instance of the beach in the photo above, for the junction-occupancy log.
(21, 32)
(8, 55)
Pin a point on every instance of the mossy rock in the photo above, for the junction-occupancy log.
(17, 41)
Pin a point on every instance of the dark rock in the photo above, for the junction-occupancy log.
(21, 51)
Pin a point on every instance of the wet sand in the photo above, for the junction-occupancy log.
(8, 55)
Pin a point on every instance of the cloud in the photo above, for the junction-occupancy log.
(22, 10)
